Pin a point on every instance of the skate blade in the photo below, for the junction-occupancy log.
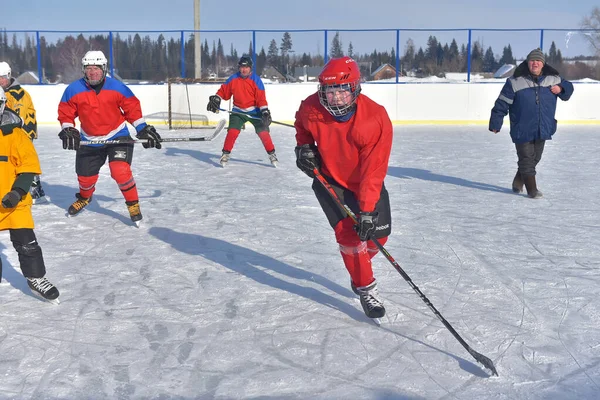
(41, 200)
(223, 164)
(275, 164)
(51, 301)
(137, 223)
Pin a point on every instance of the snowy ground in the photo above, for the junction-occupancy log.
(233, 286)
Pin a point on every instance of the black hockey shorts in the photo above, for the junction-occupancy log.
(335, 215)
(89, 160)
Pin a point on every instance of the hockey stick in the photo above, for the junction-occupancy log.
(257, 118)
(486, 362)
(218, 130)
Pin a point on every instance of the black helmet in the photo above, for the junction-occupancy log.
(245, 61)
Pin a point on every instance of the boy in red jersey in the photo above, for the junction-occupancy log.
(348, 137)
(104, 105)
(249, 97)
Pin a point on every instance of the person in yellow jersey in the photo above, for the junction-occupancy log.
(19, 164)
(19, 100)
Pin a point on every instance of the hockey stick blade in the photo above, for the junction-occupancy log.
(255, 117)
(486, 362)
(217, 131)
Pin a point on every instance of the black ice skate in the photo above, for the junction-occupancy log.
(43, 288)
(370, 301)
(79, 204)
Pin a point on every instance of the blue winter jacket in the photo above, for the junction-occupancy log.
(530, 104)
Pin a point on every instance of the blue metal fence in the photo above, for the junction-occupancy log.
(392, 38)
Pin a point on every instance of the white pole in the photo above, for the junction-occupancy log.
(197, 50)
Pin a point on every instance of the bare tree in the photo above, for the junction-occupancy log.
(592, 22)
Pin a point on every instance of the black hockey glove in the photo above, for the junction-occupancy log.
(70, 138)
(12, 198)
(307, 159)
(214, 102)
(151, 137)
(265, 116)
(366, 225)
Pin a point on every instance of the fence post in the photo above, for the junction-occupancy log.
(111, 55)
(182, 55)
(397, 54)
(325, 50)
(469, 58)
(39, 58)
(254, 49)
(542, 39)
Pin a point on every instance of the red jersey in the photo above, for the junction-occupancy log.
(355, 153)
(248, 93)
(102, 114)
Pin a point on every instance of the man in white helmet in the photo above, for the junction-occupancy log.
(19, 100)
(20, 164)
(104, 106)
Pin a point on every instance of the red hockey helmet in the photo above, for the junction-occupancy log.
(339, 85)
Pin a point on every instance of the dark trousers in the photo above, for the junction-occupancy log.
(30, 253)
(529, 154)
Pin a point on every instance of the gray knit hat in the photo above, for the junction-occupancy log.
(536, 54)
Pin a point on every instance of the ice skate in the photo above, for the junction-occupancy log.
(44, 289)
(273, 158)
(134, 211)
(79, 204)
(225, 158)
(37, 192)
(370, 301)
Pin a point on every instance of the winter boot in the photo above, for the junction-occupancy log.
(370, 301)
(531, 186)
(79, 204)
(517, 185)
(134, 210)
(225, 158)
(43, 288)
(273, 158)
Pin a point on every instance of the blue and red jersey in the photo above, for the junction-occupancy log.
(248, 93)
(101, 115)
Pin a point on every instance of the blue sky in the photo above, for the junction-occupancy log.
(154, 15)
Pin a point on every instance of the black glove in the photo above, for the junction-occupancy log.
(265, 116)
(12, 198)
(151, 136)
(214, 102)
(307, 159)
(70, 138)
(366, 225)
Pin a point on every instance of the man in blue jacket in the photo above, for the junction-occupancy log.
(529, 97)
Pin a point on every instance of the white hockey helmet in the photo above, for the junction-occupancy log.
(2, 101)
(5, 69)
(97, 58)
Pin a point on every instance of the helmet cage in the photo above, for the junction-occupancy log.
(341, 109)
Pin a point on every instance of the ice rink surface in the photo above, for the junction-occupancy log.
(233, 286)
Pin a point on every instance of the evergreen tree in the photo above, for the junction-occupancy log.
(507, 56)
(261, 61)
(408, 60)
(350, 50)
(273, 54)
(336, 47)
(489, 62)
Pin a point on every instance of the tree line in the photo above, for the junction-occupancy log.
(158, 59)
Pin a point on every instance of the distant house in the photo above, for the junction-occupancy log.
(505, 71)
(307, 74)
(385, 71)
(272, 75)
(28, 78)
